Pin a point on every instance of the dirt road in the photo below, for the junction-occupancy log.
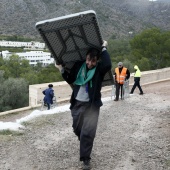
(133, 134)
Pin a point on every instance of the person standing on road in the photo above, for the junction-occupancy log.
(86, 77)
(121, 74)
(49, 94)
(137, 77)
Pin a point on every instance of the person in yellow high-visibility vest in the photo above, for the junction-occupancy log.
(137, 77)
(121, 74)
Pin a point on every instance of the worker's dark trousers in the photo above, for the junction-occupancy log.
(84, 125)
(48, 105)
(137, 84)
(118, 87)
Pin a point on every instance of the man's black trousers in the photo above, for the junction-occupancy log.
(85, 119)
(137, 84)
(119, 87)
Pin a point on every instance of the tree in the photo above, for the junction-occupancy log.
(1, 76)
(13, 94)
(118, 47)
(30, 77)
(14, 66)
(153, 45)
(49, 74)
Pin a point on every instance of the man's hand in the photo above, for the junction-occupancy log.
(104, 43)
(59, 67)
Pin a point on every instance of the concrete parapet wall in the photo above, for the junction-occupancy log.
(63, 91)
(149, 77)
(153, 75)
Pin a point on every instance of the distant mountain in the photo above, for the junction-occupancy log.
(116, 17)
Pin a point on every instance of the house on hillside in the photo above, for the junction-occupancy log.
(34, 57)
(29, 45)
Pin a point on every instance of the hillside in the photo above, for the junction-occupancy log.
(116, 17)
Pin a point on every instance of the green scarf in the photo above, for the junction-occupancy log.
(83, 76)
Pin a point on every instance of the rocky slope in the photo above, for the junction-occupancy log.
(116, 17)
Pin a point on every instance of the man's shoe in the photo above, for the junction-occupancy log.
(140, 93)
(86, 165)
(115, 99)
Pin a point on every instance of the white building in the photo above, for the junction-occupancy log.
(6, 54)
(34, 57)
(32, 44)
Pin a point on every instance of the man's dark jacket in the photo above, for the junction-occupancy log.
(103, 66)
(49, 94)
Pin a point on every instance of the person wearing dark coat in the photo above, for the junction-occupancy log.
(86, 77)
(49, 94)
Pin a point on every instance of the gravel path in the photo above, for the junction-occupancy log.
(133, 134)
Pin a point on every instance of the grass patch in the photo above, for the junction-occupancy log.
(10, 133)
(25, 123)
(168, 163)
(41, 121)
(8, 115)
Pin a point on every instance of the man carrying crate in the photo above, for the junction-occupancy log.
(86, 77)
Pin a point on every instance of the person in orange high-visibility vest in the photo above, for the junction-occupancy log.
(121, 74)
